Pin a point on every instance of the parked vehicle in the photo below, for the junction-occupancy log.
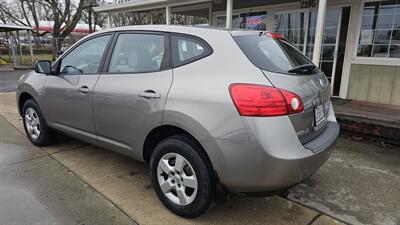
(208, 110)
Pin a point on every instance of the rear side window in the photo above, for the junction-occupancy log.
(137, 53)
(186, 49)
(271, 54)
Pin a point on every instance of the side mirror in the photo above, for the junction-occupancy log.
(43, 66)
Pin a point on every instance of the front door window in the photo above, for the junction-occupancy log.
(85, 59)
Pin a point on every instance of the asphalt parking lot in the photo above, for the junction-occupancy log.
(9, 78)
(75, 183)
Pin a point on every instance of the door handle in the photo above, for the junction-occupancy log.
(84, 89)
(148, 94)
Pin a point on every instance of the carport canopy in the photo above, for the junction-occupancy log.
(9, 28)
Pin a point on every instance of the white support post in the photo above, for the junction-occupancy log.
(168, 15)
(151, 18)
(210, 15)
(319, 31)
(229, 9)
(20, 48)
(9, 47)
(109, 20)
(30, 44)
(351, 39)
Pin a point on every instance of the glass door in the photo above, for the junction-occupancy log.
(329, 41)
(299, 28)
(293, 26)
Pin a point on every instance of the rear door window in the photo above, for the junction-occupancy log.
(272, 54)
(186, 49)
(138, 53)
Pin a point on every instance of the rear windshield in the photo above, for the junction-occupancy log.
(271, 54)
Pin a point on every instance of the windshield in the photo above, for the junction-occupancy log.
(273, 54)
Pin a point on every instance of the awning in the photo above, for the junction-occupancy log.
(129, 5)
(144, 5)
(10, 27)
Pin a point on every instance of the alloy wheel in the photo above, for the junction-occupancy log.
(177, 179)
(32, 123)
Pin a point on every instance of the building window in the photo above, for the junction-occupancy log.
(380, 30)
(221, 21)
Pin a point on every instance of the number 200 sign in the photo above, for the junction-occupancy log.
(307, 4)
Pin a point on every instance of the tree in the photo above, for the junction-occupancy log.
(22, 12)
(63, 13)
(92, 18)
(65, 16)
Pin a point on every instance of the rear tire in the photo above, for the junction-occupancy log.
(187, 192)
(35, 126)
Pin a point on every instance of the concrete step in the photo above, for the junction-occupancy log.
(376, 121)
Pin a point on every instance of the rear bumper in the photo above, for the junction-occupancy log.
(265, 173)
(274, 159)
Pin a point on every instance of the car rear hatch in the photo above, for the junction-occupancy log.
(288, 69)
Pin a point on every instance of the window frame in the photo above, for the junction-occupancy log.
(166, 65)
(208, 50)
(56, 66)
(384, 61)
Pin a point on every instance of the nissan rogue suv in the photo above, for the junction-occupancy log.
(207, 109)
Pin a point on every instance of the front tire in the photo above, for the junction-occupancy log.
(182, 176)
(35, 126)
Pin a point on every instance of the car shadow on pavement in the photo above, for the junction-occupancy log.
(126, 183)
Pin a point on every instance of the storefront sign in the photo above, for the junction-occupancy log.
(256, 22)
(304, 4)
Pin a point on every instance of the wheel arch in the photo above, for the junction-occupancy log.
(208, 150)
(162, 132)
(22, 98)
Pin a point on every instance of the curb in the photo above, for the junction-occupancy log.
(368, 129)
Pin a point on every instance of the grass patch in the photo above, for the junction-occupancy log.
(26, 59)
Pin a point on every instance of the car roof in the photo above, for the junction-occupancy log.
(185, 29)
(165, 28)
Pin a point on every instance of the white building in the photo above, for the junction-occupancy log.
(355, 42)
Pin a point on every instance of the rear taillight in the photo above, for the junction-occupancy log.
(274, 35)
(260, 100)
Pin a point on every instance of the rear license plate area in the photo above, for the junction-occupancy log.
(319, 117)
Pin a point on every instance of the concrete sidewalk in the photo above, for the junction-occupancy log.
(9, 79)
(36, 189)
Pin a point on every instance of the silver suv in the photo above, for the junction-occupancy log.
(211, 111)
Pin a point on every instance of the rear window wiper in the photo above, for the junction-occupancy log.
(303, 68)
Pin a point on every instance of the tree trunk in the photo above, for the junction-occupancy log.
(54, 48)
(56, 44)
(90, 20)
